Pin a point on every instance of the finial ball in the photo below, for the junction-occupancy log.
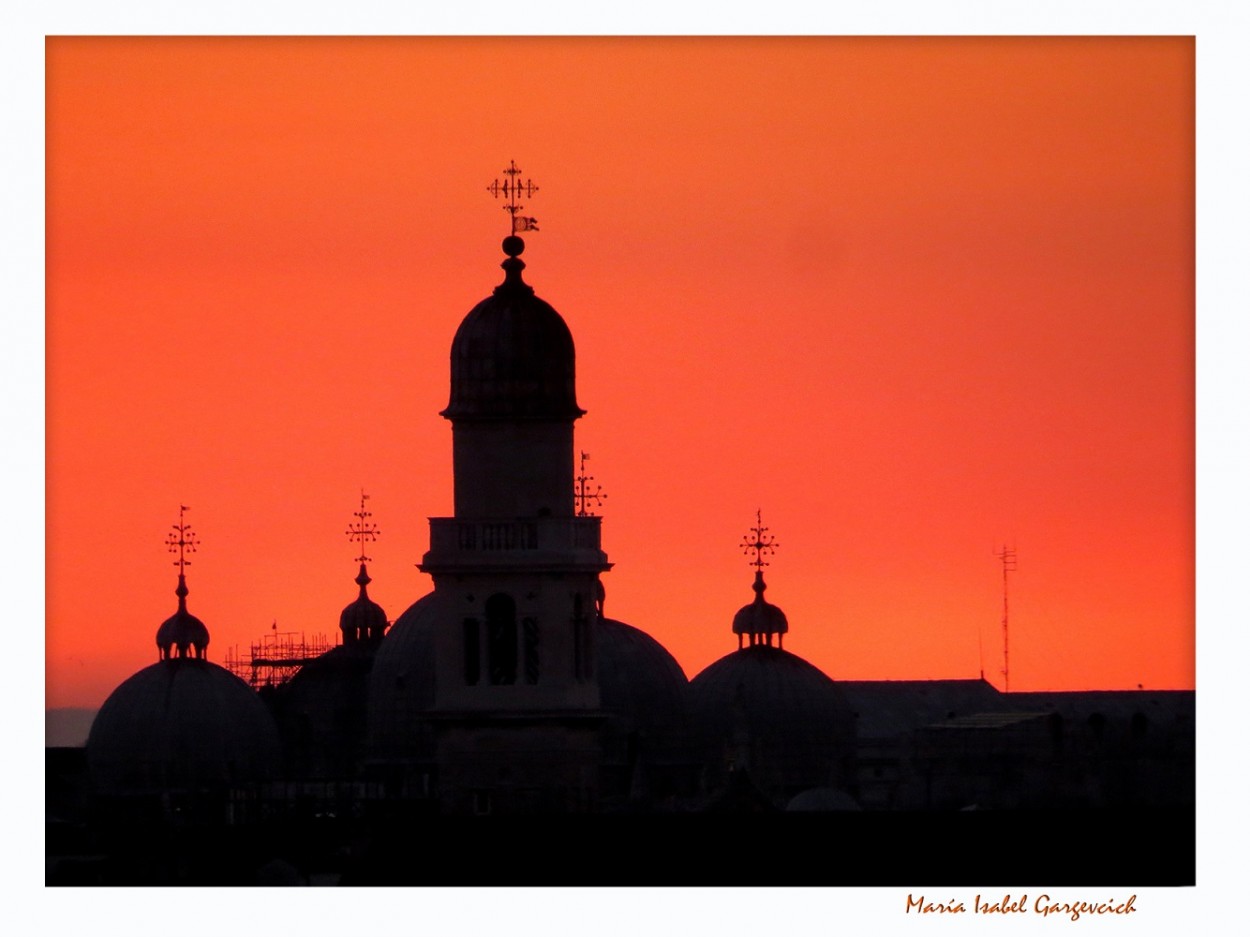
(513, 246)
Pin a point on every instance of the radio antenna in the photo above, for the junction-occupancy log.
(1008, 557)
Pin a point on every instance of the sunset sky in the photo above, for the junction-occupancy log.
(913, 298)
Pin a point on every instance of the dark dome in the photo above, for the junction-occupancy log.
(181, 724)
(364, 620)
(182, 632)
(640, 682)
(321, 712)
(771, 712)
(401, 683)
(363, 616)
(760, 617)
(512, 358)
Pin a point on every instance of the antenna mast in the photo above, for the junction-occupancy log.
(1008, 557)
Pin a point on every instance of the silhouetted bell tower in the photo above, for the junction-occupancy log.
(515, 569)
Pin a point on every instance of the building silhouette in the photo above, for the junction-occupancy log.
(182, 735)
(507, 693)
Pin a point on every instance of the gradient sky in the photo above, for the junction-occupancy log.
(913, 298)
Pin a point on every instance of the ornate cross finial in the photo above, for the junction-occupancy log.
(585, 497)
(185, 542)
(762, 546)
(511, 188)
(363, 530)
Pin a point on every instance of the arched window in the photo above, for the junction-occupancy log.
(501, 643)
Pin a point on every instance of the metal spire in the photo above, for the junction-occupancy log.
(586, 497)
(363, 530)
(761, 545)
(1008, 556)
(182, 634)
(511, 188)
(759, 621)
(185, 542)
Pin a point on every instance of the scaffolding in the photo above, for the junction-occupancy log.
(276, 658)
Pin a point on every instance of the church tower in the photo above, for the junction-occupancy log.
(508, 704)
(521, 567)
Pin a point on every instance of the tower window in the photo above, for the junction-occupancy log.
(501, 638)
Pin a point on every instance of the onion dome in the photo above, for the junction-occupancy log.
(760, 620)
(364, 621)
(512, 357)
(181, 631)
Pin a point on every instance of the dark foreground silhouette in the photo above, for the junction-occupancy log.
(1113, 847)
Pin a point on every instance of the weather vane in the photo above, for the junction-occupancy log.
(511, 189)
(184, 543)
(586, 497)
(762, 546)
(363, 530)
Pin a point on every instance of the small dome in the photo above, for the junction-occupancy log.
(760, 617)
(181, 724)
(182, 632)
(364, 621)
(512, 357)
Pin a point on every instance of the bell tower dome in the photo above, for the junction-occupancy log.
(513, 403)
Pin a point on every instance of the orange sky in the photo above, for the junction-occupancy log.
(914, 298)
